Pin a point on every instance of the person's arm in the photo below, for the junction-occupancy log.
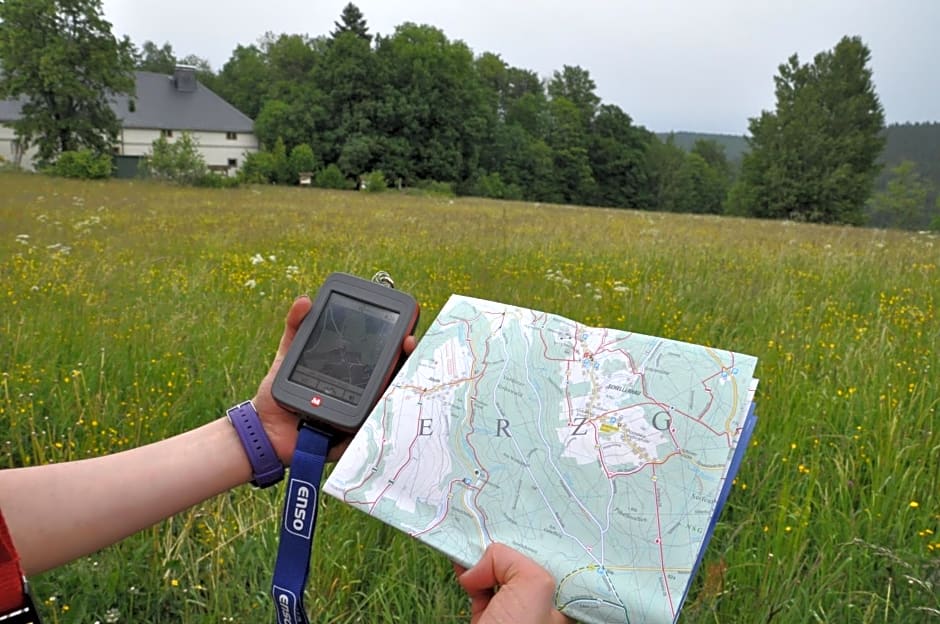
(58, 512)
(506, 587)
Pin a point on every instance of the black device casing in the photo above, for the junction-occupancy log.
(326, 412)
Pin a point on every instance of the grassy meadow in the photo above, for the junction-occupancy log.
(131, 311)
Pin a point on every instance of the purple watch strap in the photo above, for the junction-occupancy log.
(266, 468)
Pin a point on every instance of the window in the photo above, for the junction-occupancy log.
(166, 134)
(231, 136)
(233, 162)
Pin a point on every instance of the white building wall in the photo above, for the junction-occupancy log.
(219, 149)
(8, 153)
(6, 144)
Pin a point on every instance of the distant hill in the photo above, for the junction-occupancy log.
(919, 142)
(735, 145)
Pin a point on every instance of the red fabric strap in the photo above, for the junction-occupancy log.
(11, 575)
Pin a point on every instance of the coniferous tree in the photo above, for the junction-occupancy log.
(351, 20)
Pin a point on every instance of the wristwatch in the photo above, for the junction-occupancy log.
(266, 468)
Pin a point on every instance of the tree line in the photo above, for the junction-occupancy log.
(422, 109)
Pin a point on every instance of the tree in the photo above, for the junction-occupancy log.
(351, 21)
(346, 73)
(301, 160)
(574, 180)
(815, 158)
(60, 58)
(714, 154)
(179, 161)
(431, 110)
(904, 203)
(160, 60)
(576, 85)
(243, 80)
(618, 159)
(667, 175)
(714, 182)
(204, 72)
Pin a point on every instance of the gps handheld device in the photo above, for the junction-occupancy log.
(345, 352)
(341, 360)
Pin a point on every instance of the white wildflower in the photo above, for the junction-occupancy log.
(251, 283)
(257, 259)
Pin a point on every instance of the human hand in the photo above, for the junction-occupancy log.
(279, 423)
(507, 587)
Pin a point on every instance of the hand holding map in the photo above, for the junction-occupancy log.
(601, 454)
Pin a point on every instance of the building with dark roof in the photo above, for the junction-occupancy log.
(162, 106)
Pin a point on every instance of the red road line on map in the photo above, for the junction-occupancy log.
(450, 490)
(377, 460)
(470, 416)
(659, 540)
(398, 472)
(545, 348)
(611, 475)
(603, 348)
(672, 408)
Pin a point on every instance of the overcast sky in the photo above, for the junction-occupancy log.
(699, 65)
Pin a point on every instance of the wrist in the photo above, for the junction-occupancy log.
(266, 467)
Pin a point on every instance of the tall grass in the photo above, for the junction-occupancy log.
(133, 311)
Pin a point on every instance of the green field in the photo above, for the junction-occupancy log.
(133, 311)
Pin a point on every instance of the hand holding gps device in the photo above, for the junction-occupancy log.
(345, 352)
(340, 361)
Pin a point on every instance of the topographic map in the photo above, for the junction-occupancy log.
(602, 454)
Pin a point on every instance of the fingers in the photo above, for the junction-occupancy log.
(499, 566)
(525, 588)
(409, 344)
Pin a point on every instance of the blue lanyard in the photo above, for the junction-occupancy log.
(298, 522)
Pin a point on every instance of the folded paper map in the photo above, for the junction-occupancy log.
(602, 454)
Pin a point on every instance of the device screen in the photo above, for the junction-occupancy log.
(344, 346)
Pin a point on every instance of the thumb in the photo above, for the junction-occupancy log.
(295, 317)
(496, 567)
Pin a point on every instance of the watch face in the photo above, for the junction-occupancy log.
(344, 347)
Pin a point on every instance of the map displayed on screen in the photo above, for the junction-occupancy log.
(343, 348)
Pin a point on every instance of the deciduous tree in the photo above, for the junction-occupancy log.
(152, 58)
(904, 203)
(815, 158)
(60, 58)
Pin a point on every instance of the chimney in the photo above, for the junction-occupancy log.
(184, 77)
